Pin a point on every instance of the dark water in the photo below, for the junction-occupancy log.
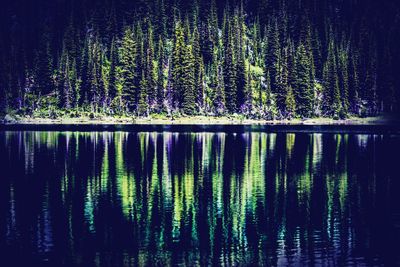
(127, 199)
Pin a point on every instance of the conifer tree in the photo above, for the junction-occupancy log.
(332, 103)
(160, 75)
(112, 77)
(282, 82)
(143, 107)
(304, 92)
(183, 73)
(230, 76)
(44, 67)
(198, 69)
(84, 72)
(149, 69)
(128, 74)
(343, 82)
(272, 57)
(188, 82)
(219, 101)
(177, 67)
(290, 104)
(241, 79)
(354, 84)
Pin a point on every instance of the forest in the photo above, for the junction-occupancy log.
(261, 59)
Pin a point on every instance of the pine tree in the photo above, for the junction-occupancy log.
(128, 74)
(371, 88)
(219, 101)
(44, 67)
(140, 64)
(282, 82)
(230, 76)
(241, 80)
(68, 87)
(149, 69)
(188, 82)
(304, 92)
(332, 103)
(112, 77)
(177, 67)
(272, 58)
(248, 93)
(290, 103)
(198, 70)
(354, 84)
(84, 72)
(343, 82)
(143, 107)
(160, 76)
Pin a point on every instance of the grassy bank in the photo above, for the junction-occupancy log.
(197, 120)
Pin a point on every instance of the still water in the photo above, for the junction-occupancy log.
(147, 198)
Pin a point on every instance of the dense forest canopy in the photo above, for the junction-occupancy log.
(267, 59)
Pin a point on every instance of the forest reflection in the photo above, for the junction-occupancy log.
(108, 199)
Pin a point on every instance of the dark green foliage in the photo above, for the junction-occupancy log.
(143, 97)
(354, 83)
(332, 102)
(272, 60)
(198, 70)
(160, 76)
(202, 57)
(241, 81)
(230, 76)
(128, 68)
(188, 104)
(84, 71)
(304, 93)
(44, 67)
(290, 103)
(219, 100)
(112, 77)
(148, 68)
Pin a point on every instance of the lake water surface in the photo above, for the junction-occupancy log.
(221, 198)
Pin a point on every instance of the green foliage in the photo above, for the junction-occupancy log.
(264, 60)
(304, 93)
(290, 103)
(230, 83)
(128, 70)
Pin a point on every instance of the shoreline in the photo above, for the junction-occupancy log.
(202, 120)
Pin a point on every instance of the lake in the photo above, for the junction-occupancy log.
(122, 198)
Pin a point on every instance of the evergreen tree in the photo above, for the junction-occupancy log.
(112, 77)
(354, 84)
(177, 67)
(343, 82)
(128, 74)
(198, 70)
(84, 71)
(44, 67)
(304, 94)
(143, 107)
(282, 82)
(290, 104)
(230, 76)
(241, 80)
(160, 76)
(332, 103)
(334, 63)
(149, 69)
(219, 101)
(272, 59)
(188, 82)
